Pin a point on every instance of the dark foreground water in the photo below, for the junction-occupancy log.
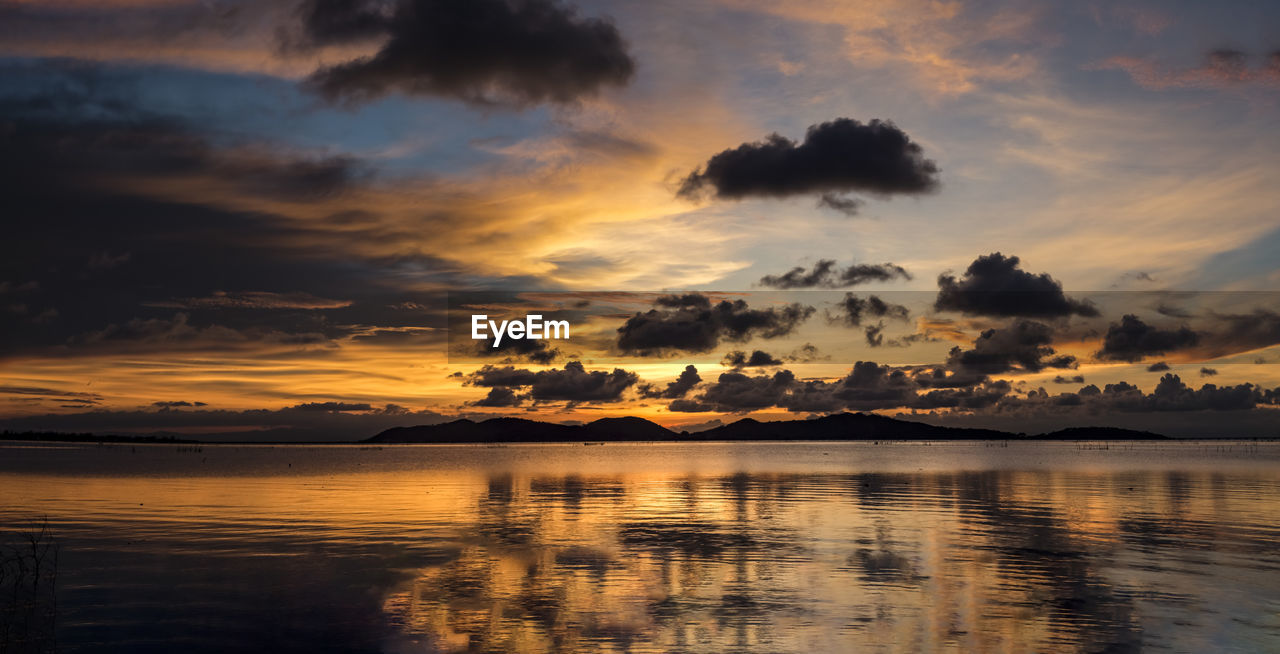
(710, 547)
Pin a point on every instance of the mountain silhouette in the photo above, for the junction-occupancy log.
(840, 426)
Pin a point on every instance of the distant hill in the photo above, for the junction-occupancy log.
(64, 437)
(847, 426)
(840, 426)
(1101, 434)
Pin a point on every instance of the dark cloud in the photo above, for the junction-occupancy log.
(328, 22)
(1171, 310)
(757, 359)
(176, 404)
(946, 377)
(81, 164)
(692, 323)
(837, 156)
(90, 28)
(851, 310)
(736, 392)
(54, 394)
(875, 337)
(870, 386)
(573, 383)
(519, 349)
(1238, 332)
(335, 407)
(675, 389)
(1208, 372)
(255, 300)
(1076, 379)
(981, 396)
(1132, 340)
(1171, 394)
(689, 406)
(1158, 366)
(994, 285)
(845, 205)
(874, 334)
(500, 396)
(826, 274)
(1227, 62)
(179, 333)
(807, 353)
(1023, 345)
(487, 52)
(509, 376)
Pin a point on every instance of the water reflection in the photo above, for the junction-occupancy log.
(428, 550)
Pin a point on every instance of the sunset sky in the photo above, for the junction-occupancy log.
(267, 220)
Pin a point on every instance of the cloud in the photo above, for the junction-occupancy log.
(256, 300)
(994, 285)
(692, 323)
(175, 404)
(851, 309)
(1158, 366)
(1132, 340)
(826, 274)
(519, 349)
(1238, 332)
(735, 392)
(867, 386)
(509, 376)
(807, 353)
(572, 384)
(217, 228)
(326, 22)
(1171, 394)
(972, 398)
(1221, 68)
(1208, 372)
(40, 393)
(179, 333)
(689, 406)
(870, 387)
(1076, 379)
(757, 359)
(500, 396)
(845, 205)
(874, 334)
(836, 156)
(676, 389)
(228, 35)
(1171, 310)
(1023, 345)
(486, 52)
(335, 407)
(939, 48)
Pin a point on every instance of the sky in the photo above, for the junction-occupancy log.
(272, 220)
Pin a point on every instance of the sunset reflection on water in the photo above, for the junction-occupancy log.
(647, 547)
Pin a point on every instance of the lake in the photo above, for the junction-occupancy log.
(643, 547)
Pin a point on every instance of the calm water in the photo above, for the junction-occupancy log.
(709, 547)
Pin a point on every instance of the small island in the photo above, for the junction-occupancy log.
(836, 427)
